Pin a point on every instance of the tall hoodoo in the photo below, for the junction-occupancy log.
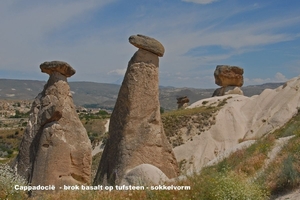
(55, 148)
(136, 134)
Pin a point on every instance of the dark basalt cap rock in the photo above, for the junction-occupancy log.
(226, 75)
(148, 44)
(57, 66)
(184, 99)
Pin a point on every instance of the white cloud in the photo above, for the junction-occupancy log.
(120, 72)
(256, 81)
(201, 1)
(26, 29)
(279, 77)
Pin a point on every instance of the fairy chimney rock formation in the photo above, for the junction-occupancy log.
(55, 149)
(228, 76)
(182, 102)
(136, 134)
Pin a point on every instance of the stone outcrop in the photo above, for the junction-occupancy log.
(136, 134)
(144, 174)
(55, 148)
(227, 90)
(182, 102)
(226, 76)
(57, 66)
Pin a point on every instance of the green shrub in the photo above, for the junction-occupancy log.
(7, 182)
(103, 112)
(162, 110)
(289, 176)
(104, 138)
(290, 128)
(249, 160)
(204, 102)
(228, 185)
(283, 174)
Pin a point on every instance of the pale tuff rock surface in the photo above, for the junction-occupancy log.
(294, 195)
(227, 90)
(136, 134)
(241, 118)
(148, 44)
(55, 148)
(235, 90)
(144, 174)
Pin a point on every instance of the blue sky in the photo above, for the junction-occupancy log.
(263, 37)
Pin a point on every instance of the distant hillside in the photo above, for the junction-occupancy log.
(104, 95)
(257, 89)
(20, 89)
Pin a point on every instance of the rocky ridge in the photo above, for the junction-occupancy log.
(102, 95)
(240, 119)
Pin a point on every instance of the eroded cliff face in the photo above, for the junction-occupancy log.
(239, 119)
(136, 134)
(55, 148)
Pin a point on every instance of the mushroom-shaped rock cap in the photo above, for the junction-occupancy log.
(57, 66)
(147, 43)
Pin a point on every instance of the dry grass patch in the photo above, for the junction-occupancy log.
(226, 184)
(92, 195)
(248, 161)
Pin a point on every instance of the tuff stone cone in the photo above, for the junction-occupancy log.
(136, 134)
(55, 149)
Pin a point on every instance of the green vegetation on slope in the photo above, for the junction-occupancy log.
(175, 120)
(283, 174)
(246, 161)
(199, 118)
(8, 179)
(11, 134)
